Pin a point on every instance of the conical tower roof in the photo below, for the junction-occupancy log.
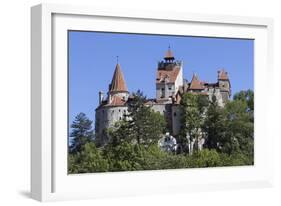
(196, 83)
(169, 54)
(118, 83)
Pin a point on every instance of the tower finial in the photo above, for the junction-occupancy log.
(117, 59)
(169, 57)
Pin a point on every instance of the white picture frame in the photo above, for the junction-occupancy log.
(49, 179)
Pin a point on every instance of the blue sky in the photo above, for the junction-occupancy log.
(92, 60)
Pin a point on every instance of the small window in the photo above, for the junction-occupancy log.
(175, 114)
(120, 118)
(162, 93)
(170, 88)
(119, 110)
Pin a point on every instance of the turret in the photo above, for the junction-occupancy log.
(118, 85)
(101, 95)
(224, 84)
(223, 80)
(196, 84)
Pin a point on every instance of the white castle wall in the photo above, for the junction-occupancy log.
(169, 88)
(159, 108)
(159, 88)
(176, 111)
(122, 95)
(179, 80)
(217, 93)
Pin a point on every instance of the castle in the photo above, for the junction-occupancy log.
(170, 87)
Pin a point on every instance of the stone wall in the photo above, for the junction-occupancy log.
(107, 116)
(165, 109)
(176, 119)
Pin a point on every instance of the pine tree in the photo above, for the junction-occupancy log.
(147, 125)
(141, 125)
(81, 132)
(214, 125)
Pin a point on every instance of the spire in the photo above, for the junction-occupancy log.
(118, 83)
(196, 83)
(222, 75)
(169, 55)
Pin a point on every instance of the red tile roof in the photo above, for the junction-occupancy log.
(117, 101)
(118, 82)
(170, 75)
(196, 83)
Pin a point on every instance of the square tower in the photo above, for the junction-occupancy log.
(169, 77)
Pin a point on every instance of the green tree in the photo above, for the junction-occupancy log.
(246, 96)
(81, 132)
(193, 111)
(206, 158)
(120, 132)
(214, 125)
(89, 159)
(124, 156)
(144, 124)
(240, 128)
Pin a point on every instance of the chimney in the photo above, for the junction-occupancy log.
(100, 97)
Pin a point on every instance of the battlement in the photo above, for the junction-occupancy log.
(164, 64)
